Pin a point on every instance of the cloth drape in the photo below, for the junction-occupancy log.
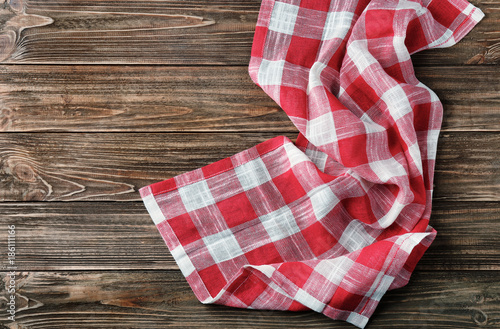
(331, 222)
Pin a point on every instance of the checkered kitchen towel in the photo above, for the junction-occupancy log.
(333, 221)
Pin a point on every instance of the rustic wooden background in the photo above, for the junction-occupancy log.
(101, 97)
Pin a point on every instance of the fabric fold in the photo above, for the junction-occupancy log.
(331, 222)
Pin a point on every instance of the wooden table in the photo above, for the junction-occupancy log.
(99, 98)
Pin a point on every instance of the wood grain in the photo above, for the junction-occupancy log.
(465, 160)
(134, 32)
(175, 32)
(159, 104)
(139, 299)
(144, 98)
(204, 99)
(112, 166)
(61, 236)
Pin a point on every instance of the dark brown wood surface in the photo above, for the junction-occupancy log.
(162, 299)
(99, 98)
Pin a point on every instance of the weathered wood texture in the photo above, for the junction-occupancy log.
(121, 236)
(159, 104)
(139, 299)
(144, 98)
(112, 166)
(172, 32)
(169, 99)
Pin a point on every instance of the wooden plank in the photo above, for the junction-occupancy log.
(122, 236)
(144, 98)
(462, 242)
(470, 96)
(132, 32)
(441, 300)
(173, 99)
(467, 167)
(112, 166)
(173, 32)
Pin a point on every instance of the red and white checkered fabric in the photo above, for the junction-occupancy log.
(331, 222)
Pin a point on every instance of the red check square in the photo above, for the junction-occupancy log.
(236, 210)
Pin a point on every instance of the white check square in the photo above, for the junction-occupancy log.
(270, 72)
(223, 246)
(334, 270)
(360, 55)
(323, 200)
(280, 224)
(337, 25)
(252, 174)
(295, 156)
(355, 237)
(315, 76)
(397, 102)
(195, 196)
(321, 130)
(386, 169)
(283, 18)
(432, 141)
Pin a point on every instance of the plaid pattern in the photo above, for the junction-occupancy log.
(334, 220)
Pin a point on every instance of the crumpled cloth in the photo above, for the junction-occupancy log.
(331, 222)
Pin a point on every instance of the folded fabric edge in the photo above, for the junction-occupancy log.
(406, 253)
(470, 17)
(474, 16)
(411, 249)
